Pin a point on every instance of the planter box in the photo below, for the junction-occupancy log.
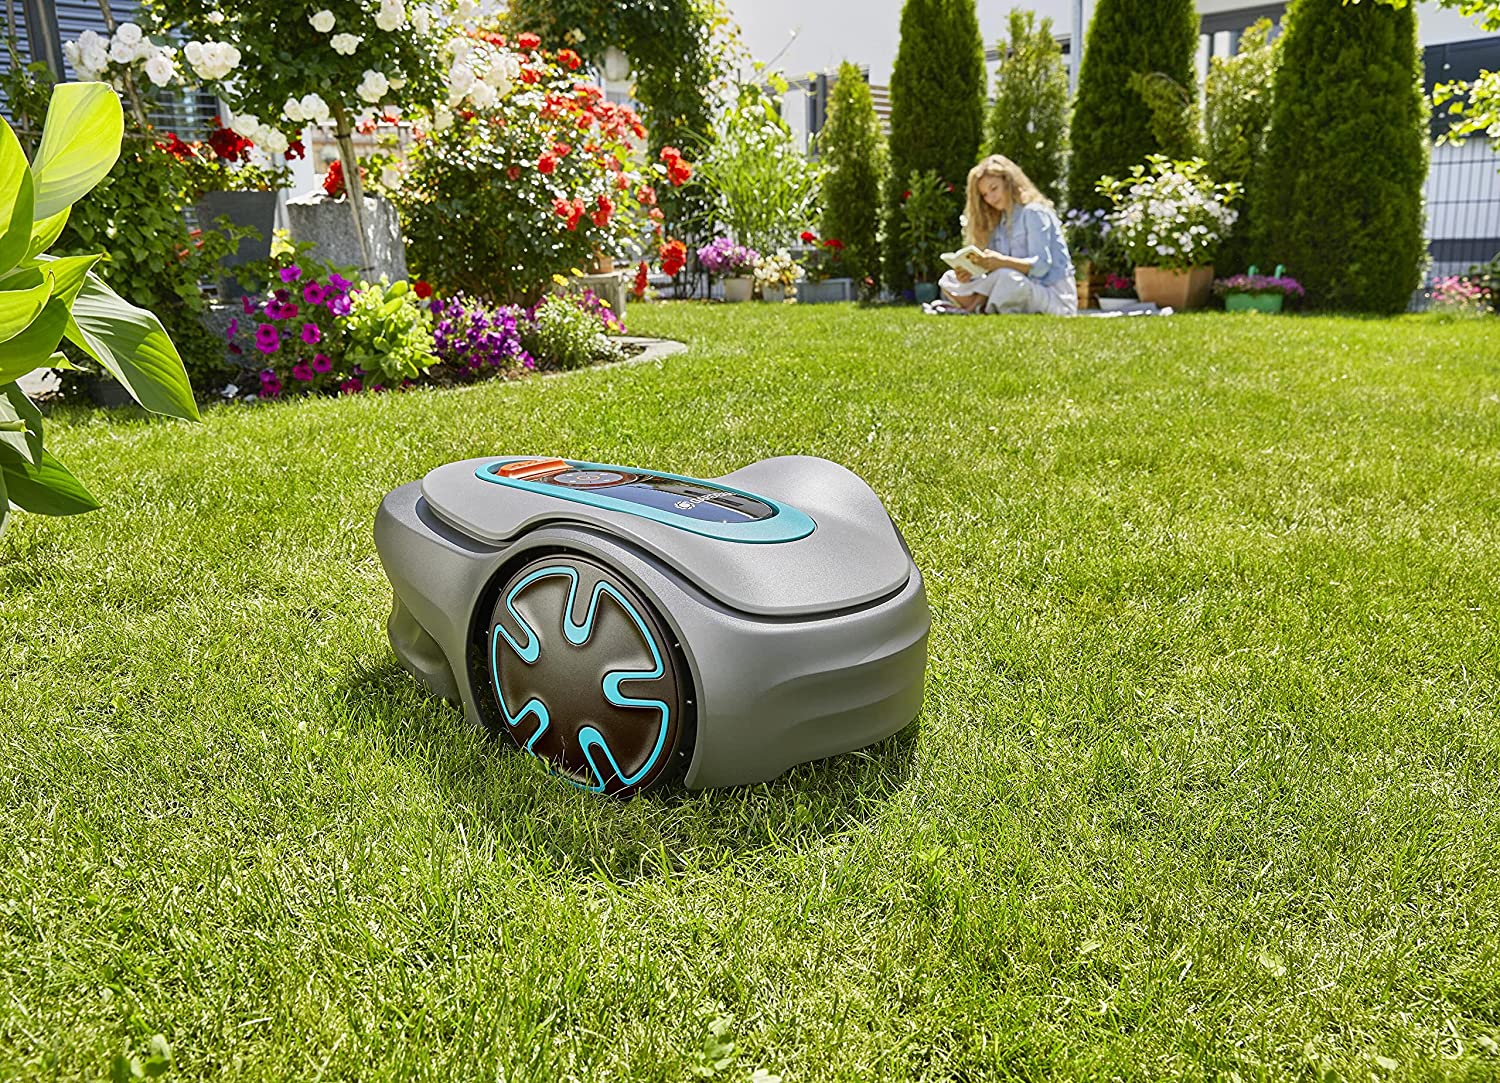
(1253, 302)
(1175, 289)
(1090, 282)
(773, 294)
(329, 225)
(829, 291)
(256, 209)
(738, 288)
(611, 288)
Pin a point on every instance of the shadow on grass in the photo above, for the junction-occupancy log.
(672, 831)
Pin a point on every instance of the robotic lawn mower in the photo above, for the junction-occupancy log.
(631, 627)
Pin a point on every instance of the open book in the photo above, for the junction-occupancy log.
(966, 259)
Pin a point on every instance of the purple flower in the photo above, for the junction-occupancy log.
(311, 335)
(339, 282)
(313, 293)
(286, 310)
(233, 329)
(247, 305)
(267, 339)
(235, 349)
(349, 387)
(340, 306)
(291, 274)
(302, 371)
(270, 384)
(321, 363)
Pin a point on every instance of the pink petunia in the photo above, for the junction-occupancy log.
(291, 274)
(321, 363)
(302, 371)
(313, 293)
(311, 335)
(267, 339)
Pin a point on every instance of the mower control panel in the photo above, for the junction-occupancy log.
(690, 503)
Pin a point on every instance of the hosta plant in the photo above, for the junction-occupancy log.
(44, 299)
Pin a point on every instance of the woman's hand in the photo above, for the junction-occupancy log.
(962, 275)
(992, 261)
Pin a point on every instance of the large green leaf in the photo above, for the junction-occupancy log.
(80, 144)
(46, 488)
(19, 308)
(133, 346)
(16, 200)
(33, 347)
(4, 504)
(20, 423)
(45, 231)
(69, 274)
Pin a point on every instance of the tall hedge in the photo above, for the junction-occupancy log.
(1237, 98)
(1113, 126)
(852, 147)
(1340, 197)
(937, 110)
(1029, 118)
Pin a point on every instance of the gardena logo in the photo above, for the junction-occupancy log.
(693, 501)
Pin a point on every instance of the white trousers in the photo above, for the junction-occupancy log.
(1007, 291)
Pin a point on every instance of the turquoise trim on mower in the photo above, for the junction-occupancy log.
(788, 524)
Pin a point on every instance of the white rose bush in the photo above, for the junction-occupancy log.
(1170, 214)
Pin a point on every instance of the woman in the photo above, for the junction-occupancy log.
(1028, 268)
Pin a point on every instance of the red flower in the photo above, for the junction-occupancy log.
(602, 212)
(527, 42)
(576, 211)
(228, 145)
(174, 146)
(641, 280)
(569, 58)
(834, 243)
(514, 172)
(422, 289)
(678, 171)
(561, 207)
(905, 195)
(529, 75)
(655, 214)
(546, 163)
(295, 149)
(809, 237)
(585, 121)
(622, 182)
(561, 150)
(333, 180)
(647, 195)
(673, 258)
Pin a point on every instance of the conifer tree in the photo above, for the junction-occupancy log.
(937, 110)
(1028, 120)
(1339, 198)
(852, 148)
(1114, 127)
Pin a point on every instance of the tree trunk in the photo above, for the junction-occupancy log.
(354, 190)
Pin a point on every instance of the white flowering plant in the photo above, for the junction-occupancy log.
(1170, 214)
(778, 269)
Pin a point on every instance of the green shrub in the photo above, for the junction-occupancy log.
(927, 227)
(1113, 127)
(937, 112)
(1236, 117)
(1339, 191)
(388, 333)
(1028, 120)
(755, 179)
(852, 148)
(564, 335)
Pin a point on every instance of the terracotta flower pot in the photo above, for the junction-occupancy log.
(1175, 289)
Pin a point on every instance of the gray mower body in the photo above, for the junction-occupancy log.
(629, 626)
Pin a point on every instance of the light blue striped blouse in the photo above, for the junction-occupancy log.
(1033, 229)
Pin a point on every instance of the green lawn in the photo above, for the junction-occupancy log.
(1207, 784)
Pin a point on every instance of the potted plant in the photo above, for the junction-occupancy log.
(776, 275)
(732, 263)
(1091, 243)
(823, 262)
(1170, 217)
(926, 216)
(1117, 292)
(1255, 292)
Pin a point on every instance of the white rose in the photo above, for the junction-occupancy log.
(160, 69)
(314, 108)
(459, 49)
(372, 87)
(292, 110)
(391, 16)
(468, 11)
(120, 52)
(345, 44)
(245, 124)
(442, 118)
(421, 21)
(397, 84)
(322, 22)
(193, 50)
(95, 60)
(483, 96)
(215, 17)
(273, 141)
(129, 33)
